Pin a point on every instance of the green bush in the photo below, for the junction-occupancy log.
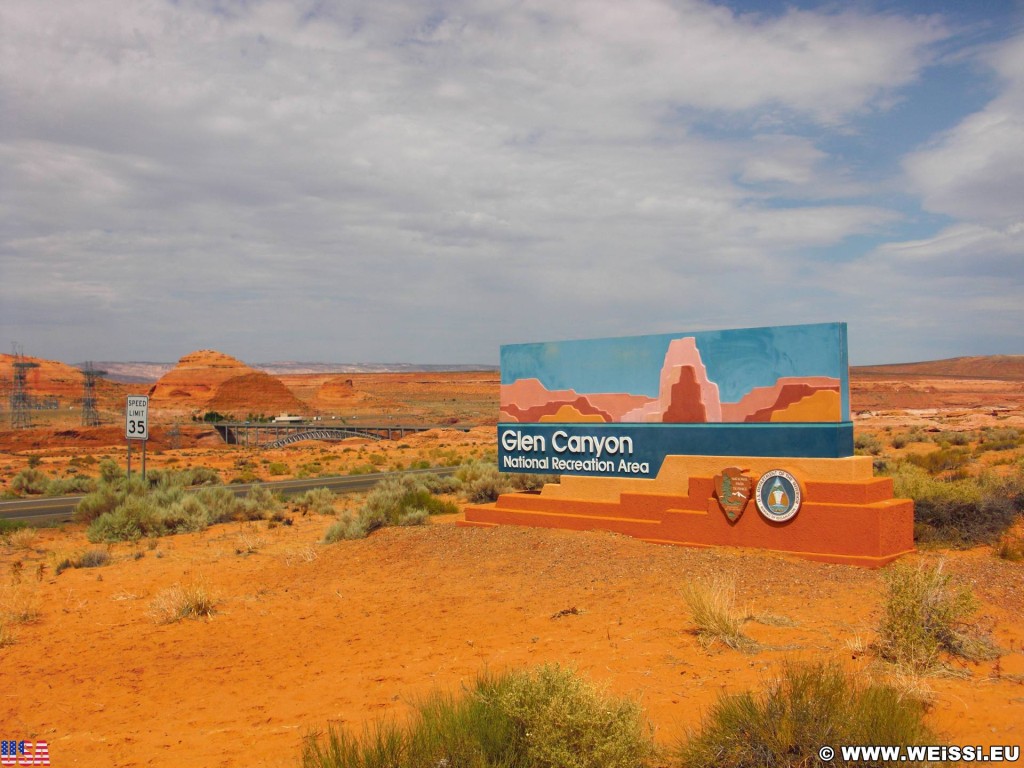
(123, 510)
(259, 503)
(346, 528)
(867, 444)
(809, 706)
(999, 440)
(110, 471)
(35, 482)
(222, 506)
(941, 460)
(31, 481)
(547, 718)
(10, 526)
(483, 483)
(276, 468)
(960, 513)
(318, 500)
(924, 616)
(66, 486)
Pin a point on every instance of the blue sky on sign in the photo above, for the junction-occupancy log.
(737, 361)
(426, 181)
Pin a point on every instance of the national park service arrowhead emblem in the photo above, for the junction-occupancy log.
(733, 490)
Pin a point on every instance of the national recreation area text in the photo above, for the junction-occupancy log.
(638, 450)
(575, 453)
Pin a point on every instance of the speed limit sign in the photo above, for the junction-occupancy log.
(136, 421)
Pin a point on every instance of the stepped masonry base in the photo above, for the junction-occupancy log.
(846, 516)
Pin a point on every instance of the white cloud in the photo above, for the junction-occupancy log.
(975, 171)
(308, 174)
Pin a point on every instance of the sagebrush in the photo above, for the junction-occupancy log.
(927, 615)
(549, 717)
(808, 706)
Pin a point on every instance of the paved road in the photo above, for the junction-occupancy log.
(58, 509)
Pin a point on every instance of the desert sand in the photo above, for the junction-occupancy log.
(307, 634)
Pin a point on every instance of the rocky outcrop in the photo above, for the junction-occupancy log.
(208, 380)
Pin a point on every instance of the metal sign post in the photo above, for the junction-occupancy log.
(136, 427)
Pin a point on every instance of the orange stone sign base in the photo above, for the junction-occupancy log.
(846, 514)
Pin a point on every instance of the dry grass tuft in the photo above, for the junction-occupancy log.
(6, 636)
(22, 538)
(1011, 544)
(712, 608)
(189, 601)
(19, 603)
(249, 543)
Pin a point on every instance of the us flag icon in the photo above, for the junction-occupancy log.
(24, 753)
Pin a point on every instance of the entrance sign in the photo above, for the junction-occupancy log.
(675, 438)
(136, 423)
(617, 407)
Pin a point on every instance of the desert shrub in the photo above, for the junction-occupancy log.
(135, 517)
(110, 471)
(899, 441)
(259, 503)
(964, 512)
(106, 498)
(560, 719)
(946, 439)
(309, 469)
(221, 504)
(31, 481)
(276, 468)
(941, 460)
(1003, 439)
(394, 497)
(401, 500)
(713, 610)
(867, 444)
(925, 616)
(194, 476)
(93, 558)
(346, 528)
(7, 527)
(547, 718)
(319, 500)
(439, 483)
(64, 486)
(481, 481)
(808, 706)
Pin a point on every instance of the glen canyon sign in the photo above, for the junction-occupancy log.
(670, 438)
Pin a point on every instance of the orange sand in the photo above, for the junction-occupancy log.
(308, 634)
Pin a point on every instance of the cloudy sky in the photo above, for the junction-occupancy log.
(425, 180)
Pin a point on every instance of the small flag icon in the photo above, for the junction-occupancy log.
(24, 753)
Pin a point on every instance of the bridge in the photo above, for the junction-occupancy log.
(277, 434)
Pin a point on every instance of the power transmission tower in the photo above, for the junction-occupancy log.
(90, 416)
(21, 405)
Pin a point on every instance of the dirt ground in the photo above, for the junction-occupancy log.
(307, 634)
